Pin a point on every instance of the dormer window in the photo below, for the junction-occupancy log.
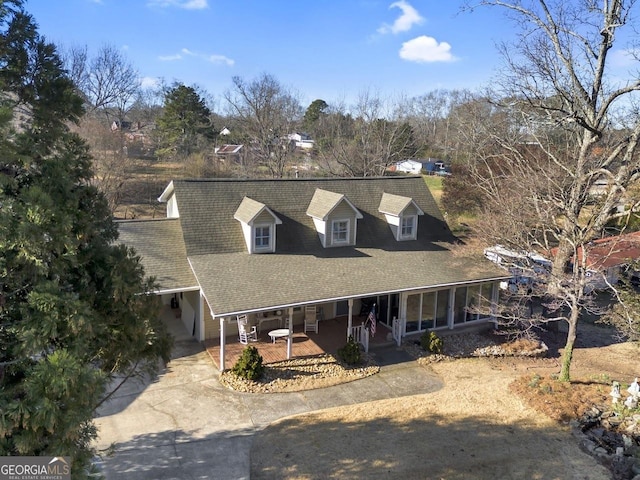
(408, 227)
(334, 217)
(262, 237)
(258, 225)
(340, 231)
(401, 214)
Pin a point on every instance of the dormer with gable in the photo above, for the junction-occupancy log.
(402, 215)
(168, 196)
(258, 225)
(334, 217)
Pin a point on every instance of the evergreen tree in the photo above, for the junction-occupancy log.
(185, 126)
(72, 316)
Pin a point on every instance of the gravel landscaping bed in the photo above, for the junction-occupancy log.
(473, 344)
(304, 373)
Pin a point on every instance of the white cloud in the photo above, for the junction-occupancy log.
(425, 49)
(186, 4)
(149, 82)
(221, 59)
(212, 58)
(170, 58)
(405, 21)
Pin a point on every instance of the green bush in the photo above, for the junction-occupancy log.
(249, 365)
(350, 353)
(431, 342)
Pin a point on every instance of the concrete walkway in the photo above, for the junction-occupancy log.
(185, 425)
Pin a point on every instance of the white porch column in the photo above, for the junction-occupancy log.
(495, 294)
(350, 322)
(451, 311)
(222, 343)
(201, 316)
(289, 337)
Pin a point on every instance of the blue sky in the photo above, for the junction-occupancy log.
(328, 49)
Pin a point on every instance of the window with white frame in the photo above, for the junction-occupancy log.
(408, 227)
(262, 237)
(340, 231)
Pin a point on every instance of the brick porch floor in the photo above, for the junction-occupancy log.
(332, 335)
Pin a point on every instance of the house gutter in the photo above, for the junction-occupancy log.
(335, 299)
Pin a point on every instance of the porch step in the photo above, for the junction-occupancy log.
(389, 354)
(379, 345)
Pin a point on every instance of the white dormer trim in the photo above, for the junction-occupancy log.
(399, 211)
(323, 211)
(254, 217)
(168, 196)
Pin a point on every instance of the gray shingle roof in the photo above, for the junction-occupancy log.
(207, 208)
(249, 209)
(161, 247)
(324, 202)
(235, 283)
(302, 270)
(394, 204)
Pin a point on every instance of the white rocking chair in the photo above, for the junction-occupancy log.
(310, 319)
(246, 335)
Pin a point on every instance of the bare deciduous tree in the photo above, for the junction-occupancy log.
(267, 112)
(573, 123)
(366, 139)
(107, 82)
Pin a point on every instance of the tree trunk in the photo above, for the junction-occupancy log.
(565, 375)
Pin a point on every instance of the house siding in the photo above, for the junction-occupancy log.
(211, 326)
(410, 210)
(264, 217)
(172, 208)
(342, 211)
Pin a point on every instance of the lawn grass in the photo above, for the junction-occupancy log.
(434, 183)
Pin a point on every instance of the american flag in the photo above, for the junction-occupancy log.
(371, 320)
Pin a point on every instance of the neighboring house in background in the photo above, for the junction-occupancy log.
(255, 247)
(120, 125)
(301, 140)
(413, 167)
(225, 131)
(136, 134)
(229, 153)
(607, 259)
(430, 166)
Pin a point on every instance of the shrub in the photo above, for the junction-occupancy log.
(350, 353)
(249, 365)
(431, 342)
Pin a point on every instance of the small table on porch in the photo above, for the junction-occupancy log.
(278, 333)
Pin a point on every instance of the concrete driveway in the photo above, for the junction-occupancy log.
(185, 425)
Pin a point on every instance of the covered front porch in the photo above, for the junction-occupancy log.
(332, 335)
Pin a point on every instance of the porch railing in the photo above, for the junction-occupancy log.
(361, 336)
(397, 330)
